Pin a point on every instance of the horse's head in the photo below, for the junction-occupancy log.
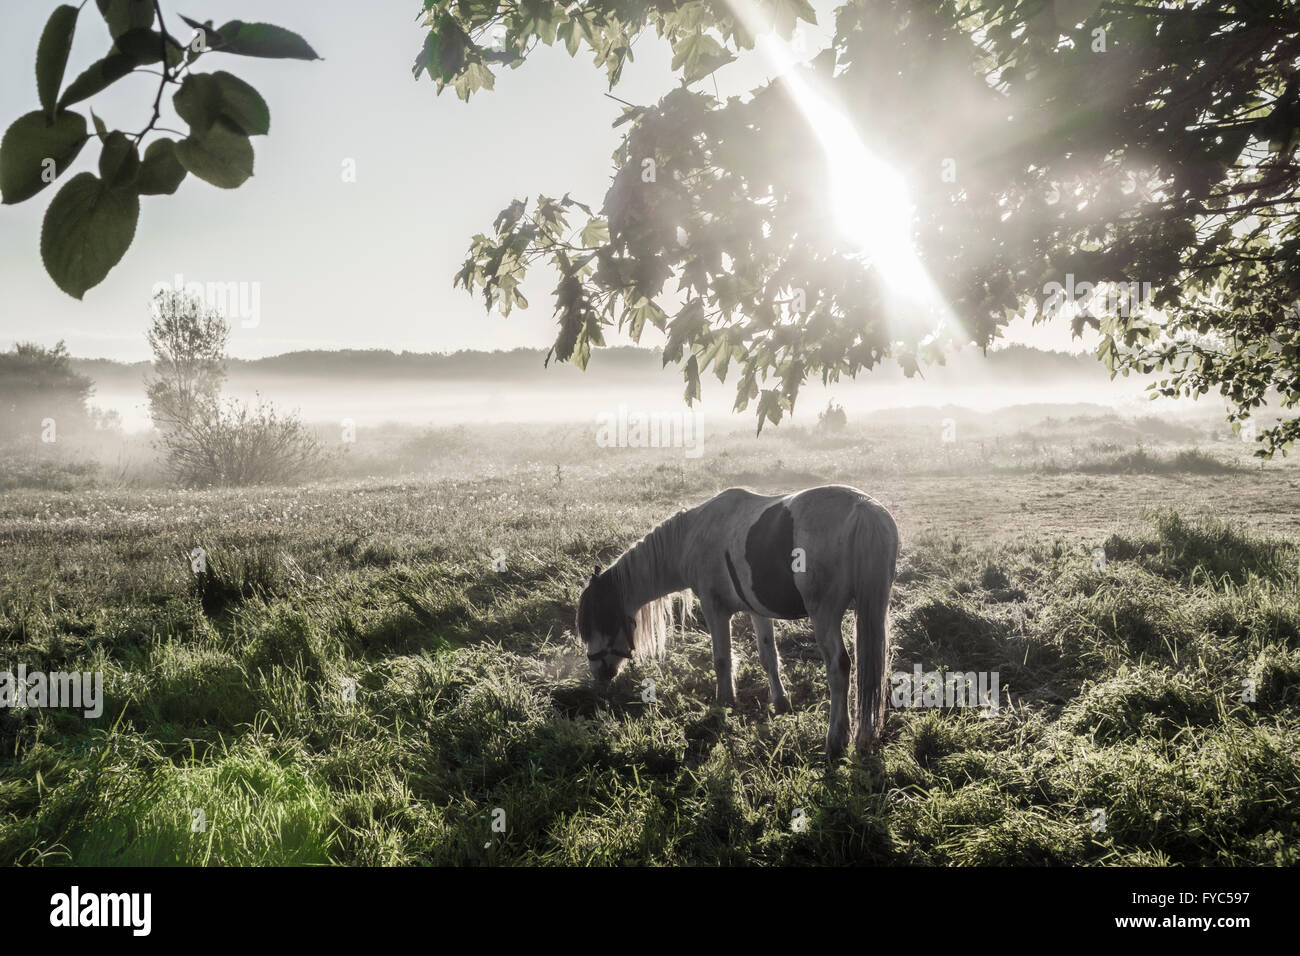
(605, 627)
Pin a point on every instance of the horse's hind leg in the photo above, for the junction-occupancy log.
(830, 642)
(719, 622)
(766, 637)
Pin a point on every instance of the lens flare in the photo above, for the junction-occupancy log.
(872, 211)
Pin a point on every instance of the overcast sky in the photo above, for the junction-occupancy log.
(340, 265)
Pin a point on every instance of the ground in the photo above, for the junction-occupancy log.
(380, 670)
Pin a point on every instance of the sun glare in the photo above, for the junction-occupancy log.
(872, 211)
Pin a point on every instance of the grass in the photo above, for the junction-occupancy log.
(352, 681)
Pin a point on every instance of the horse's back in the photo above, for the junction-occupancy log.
(830, 505)
(782, 555)
(819, 510)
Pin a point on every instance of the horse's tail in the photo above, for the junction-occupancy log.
(874, 564)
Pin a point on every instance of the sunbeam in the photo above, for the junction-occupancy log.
(871, 206)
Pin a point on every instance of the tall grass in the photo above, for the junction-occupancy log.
(357, 681)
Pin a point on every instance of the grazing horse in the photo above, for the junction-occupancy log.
(810, 554)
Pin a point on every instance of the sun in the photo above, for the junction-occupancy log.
(872, 211)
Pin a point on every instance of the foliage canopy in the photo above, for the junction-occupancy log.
(1039, 141)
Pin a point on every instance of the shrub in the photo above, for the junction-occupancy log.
(240, 445)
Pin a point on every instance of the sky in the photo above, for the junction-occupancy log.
(336, 264)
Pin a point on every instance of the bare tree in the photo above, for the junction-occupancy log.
(189, 361)
(207, 441)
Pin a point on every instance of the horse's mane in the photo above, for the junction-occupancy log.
(649, 557)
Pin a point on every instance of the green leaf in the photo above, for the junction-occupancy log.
(52, 54)
(144, 46)
(119, 160)
(222, 156)
(475, 77)
(198, 102)
(88, 228)
(161, 173)
(263, 39)
(785, 13)
(123, 16)
(205, 98)
(205, 38)
(698, 56)
(242, 105)
(595, 232)
(29, 143)
(99, 76)
(445, 52)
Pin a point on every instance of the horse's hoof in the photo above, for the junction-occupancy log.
(866, 743)
(782, 706)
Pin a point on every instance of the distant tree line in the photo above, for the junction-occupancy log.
(37, 385)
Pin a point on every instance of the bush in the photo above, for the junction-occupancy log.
(240, 445)
(832, 419)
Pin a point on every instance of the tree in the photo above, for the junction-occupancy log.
(832, 418)
(1118, 142)
(1038, 141)
(188, 343)
(92, 220)
(37, 383)
(208, 441)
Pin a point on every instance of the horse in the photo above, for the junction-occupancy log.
(809, 554)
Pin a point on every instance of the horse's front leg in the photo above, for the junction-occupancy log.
(826, 627)
(719, 621)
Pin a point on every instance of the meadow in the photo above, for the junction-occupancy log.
(378, 667)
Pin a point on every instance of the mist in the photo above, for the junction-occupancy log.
(374, 388)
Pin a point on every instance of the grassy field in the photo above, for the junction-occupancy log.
(227, 692)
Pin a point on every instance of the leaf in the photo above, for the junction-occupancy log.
(786, 12)
(222, 156)
(206, 37)
(444, 53)
(198, 102)
(52, 54)
(263, 39)
(87, 229)
(99, 76)
(692, 376)
(595, 233)
(243, 105)
(206, 97)
(161, 173)
(28, 143)
(698, 56)
(119, 160)
(144, 46)
(475, 77)
(123, 16)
